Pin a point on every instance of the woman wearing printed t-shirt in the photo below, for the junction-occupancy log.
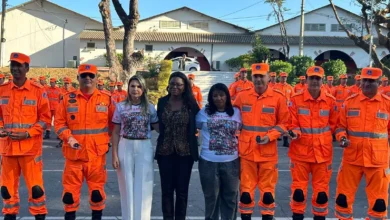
(133, 158)
(219, 166)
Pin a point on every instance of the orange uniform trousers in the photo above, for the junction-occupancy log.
(264, 175)
(31, 167)
(95, 174)
(377, 186)
(321, 174)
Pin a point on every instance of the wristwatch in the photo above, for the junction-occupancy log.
(27, 135)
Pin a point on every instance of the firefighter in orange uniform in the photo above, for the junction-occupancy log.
(67, 86)
(384, 85)
(24, 114)
(119, 94)
(82, 122)
(363, 130)
(236, 78)
(356, 88)
(272, 82)
(313, 120)
(284, 87)
(301, 86)
(42, 81)
(54, 95)
(2, 79)
(112, 88)
(265, 117)
(329, 85)
(342, 91)
(241, 85)
(195, 90)
(100, 85)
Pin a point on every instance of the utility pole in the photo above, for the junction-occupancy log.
(302, 28)
(2, 39)
(372, 35)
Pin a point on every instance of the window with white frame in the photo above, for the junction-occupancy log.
(90, 46)
(315, 27)
(198, 25)
(338, 28)
(170, 24)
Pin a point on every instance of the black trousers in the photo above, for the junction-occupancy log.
(175, 174)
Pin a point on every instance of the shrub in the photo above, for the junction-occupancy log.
(300, 65)
(163, 80)
(334, 68)
(279, 66)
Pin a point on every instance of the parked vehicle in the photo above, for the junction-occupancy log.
(191, 64)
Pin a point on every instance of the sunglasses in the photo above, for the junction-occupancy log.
(90, 75)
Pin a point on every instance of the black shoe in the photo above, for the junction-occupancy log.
(246, 216)
(40, 217)
(47, 135)
(316, 217)
(70, 215)
(59, 145)
(97, 214)
(9, 217)
(285, 142)
(297, 216)
(267, 217)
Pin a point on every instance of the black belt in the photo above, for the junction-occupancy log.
(131, 138)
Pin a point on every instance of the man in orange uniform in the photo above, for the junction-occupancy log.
(313, 120)
(341, 92)
(242, 85)
(112, 88)
(2, 79)
(363, 130)
(265, 117)
(100, 85)
(54, 94)
(329, 85)
(24, 113)
(301, 86)
(67, 86)
(120, 94)
(356, 88)
(82, 122)
(272, 82)
(284, 87)
(42, 81)
(195, 90)
(385, 82)
(236, 78)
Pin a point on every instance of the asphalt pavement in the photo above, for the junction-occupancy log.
(53, 167)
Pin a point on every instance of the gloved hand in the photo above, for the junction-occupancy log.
(73, 143)
(344, 142)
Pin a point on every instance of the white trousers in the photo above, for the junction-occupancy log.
(135, 178)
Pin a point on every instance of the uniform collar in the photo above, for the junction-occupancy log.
(377, 97)
(79, 93)
(26, 85)
(307, 96)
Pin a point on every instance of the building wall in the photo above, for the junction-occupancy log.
(38, 32)
(187, 16)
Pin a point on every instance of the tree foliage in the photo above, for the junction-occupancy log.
(334, 68)
(279, 66)
(300, 65)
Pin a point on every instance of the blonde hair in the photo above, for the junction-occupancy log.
(144, 96)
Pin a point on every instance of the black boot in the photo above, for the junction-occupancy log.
(267, 217)
(285, 142)
(70, 215)
(316, 217)
(97, 214)
(9, 217)
(297, 216)
(47, 135)
(40, 217)
(246, 216)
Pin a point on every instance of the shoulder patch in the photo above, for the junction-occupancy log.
(105, 92)
(72, 95)
(278, 91)
(297, 94)
(385, 96)
(352, 96)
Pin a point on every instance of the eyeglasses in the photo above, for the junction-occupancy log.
(176, 85)
(90, 75)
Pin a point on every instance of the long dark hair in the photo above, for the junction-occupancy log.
(211, 108)
(188, 97)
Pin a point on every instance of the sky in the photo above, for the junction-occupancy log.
(251, 14)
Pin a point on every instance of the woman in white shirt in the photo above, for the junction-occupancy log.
(219, 165)
(132, 150)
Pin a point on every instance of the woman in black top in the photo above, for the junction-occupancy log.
(177, 145)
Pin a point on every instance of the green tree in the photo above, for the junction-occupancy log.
(300, 65)
(163, 80)
(334, 68)
(259, 53)
(279, 66)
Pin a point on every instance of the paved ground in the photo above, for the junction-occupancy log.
(53, 165)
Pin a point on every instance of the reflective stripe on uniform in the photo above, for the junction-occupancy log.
(10, 206)
(324, 112)
(302, 111)
(319, 209)
(4, 101)
(382, 115)
(100, 108)
(61, 130)
(90, 131)
(268, 110)
(338, 130)
(42, 124)
(97, 204)
(29, 102)
(367, 134)
(246, 108)
(278, 128)
(351, 113)
(266, 209)
(256, 128)
(344, 215)
(15, 125)
(36, 204)
(248, 209)
(315, 130)
(72, 109)
(37, 159)
(376, 218)
(387, 171)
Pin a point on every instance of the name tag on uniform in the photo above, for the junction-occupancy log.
(29, 102)
(268, 110)
(101, 108)
(353, 113)
(303, 111)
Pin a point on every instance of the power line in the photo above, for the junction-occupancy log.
(241, 9)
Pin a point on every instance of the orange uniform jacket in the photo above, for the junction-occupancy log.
(64, 91)
(231, 85)
(240, 86)
(197, 95)
(23, 109)
(365, 123)
(54, 95)
(88, 126)
(328, 89)
(299, 88)
(341, 93)
(119, 96)
(385, 90)
(271, 84)
(313, 121)
(286, 89)
(355, 89)
(261, 115)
